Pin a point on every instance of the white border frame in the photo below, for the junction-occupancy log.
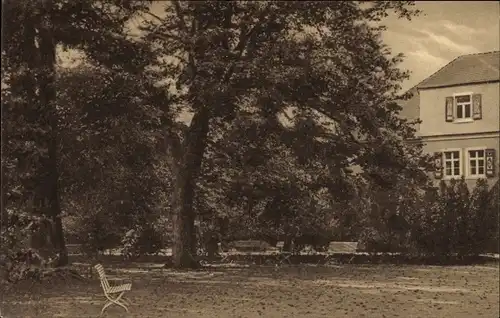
(462, 120)
(467, 162)
(460, 163)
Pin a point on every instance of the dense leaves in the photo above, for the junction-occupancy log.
(34, 125)
(321, 63)
(470, 219)
(293, 129)
(414, 222)
(112, 177)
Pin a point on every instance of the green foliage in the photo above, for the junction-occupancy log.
(15, 227)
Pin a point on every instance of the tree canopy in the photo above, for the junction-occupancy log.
(321, 63)
(286, 99)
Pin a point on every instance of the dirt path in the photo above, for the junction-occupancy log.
(342, 291)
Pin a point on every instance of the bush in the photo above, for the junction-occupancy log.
(14, 231)
(319, 241)
(453, 221)
(18, 261)
(494, 245)
(135, 234)
(444, 221)
(142, 241)
(96, 231)
(383, 217)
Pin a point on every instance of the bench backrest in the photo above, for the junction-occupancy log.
(102, 276)
(343, 247)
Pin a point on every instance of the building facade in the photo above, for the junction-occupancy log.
(459, 107)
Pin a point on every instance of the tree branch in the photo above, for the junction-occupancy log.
(243, 43)
(154, 16)
(182, 23)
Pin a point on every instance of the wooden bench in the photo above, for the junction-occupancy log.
(114, 294)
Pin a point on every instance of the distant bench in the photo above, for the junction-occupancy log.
(74, 249)
(343, 247)
(333, 247)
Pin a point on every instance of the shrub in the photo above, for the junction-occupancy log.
(135, 233)
(319, 241)
(145, 240)
(18, 261)
(451, 220)
(97, 232)
(444, 221)
(383, 218)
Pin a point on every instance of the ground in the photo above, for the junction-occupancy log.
(290, 291)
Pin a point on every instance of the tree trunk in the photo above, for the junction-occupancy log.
(50, 194)
(184, 249)
(4, 216)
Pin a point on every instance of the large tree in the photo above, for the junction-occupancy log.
(33, 31)
(299, 58)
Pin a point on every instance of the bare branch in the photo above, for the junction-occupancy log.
(154, 16)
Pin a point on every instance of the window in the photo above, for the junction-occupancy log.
(463, 106)
(476, 163)
(452, 164)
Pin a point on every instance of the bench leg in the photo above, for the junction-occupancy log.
(284, 258)
(126, 301)
(117, 301)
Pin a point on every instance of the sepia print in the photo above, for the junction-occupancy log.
(250, 159)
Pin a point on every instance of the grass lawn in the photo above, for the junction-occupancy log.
(290, 291)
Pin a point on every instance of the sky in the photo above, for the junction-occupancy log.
(445, 30)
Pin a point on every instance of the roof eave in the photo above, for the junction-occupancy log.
(461, 84)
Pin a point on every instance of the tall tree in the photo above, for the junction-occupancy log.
(321, 57)
(33, 30)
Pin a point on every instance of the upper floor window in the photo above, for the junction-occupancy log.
(463, 105)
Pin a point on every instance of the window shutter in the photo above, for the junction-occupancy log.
(476, 106)
(449, 108)
(490, 162)
(438, 164)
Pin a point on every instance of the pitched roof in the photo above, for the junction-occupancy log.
(466, 69)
